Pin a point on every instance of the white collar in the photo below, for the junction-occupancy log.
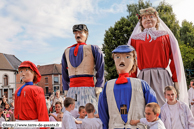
(152, 32)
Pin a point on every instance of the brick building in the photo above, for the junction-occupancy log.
(9, 79)
(51, 79)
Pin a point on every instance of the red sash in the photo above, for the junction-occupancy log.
(82, 82)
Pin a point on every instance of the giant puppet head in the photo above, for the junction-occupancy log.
(29, 72)
(148, 18)
(125, 59)
(81, 33)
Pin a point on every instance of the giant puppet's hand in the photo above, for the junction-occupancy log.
(176, 85)
(98, 90)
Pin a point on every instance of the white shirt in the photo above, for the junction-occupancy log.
(174, 116)
(74, 112)
(51, 118)
(185, 116)
(68, 121)
(191, 95)
(91, 123)
(48, 103)
(153, 125)
(79, 125)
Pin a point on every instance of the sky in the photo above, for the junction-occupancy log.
(40, 30)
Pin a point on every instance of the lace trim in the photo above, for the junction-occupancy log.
(152, 32)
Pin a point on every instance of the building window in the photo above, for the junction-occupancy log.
(56, 80)
(6, 93)
(46, 79)
(47, 90)
(5, 78)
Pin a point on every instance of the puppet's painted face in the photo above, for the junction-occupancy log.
(26, 74)
(80, 36)
(124, 62)
(149, 21)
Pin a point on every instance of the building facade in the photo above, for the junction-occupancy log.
(8, 74)
(51, 79)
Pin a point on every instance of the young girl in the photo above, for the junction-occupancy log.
(7, 112)
(58, 107)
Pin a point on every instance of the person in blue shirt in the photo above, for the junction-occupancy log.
(124, 98)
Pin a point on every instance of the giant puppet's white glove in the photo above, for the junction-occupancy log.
(65, 93)
(176, 85)
(98, 90)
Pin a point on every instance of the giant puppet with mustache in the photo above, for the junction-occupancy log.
(78, 64)
(124, 98)
(158, 54)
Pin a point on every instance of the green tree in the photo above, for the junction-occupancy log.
(187, 53)
(166, 14)
(187, 33)
(115, 36)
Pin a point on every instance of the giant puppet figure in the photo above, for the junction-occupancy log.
(124, 99)
(158, 53)
(30, 104)
(78, 63)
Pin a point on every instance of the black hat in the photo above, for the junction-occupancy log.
(80, 27)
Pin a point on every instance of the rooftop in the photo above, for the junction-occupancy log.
(9, 62)
(50, 69)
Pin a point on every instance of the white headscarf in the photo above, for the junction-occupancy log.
(183, 96)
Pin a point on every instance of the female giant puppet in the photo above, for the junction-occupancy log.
(155, 45)
(78, 64)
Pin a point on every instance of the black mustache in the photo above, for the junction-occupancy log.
(121, 64)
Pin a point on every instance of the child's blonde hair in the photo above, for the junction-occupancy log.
(60, 113)
(169, 88)
(155, 107)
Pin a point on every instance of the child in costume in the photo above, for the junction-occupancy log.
(30, 104)
(156, 45)
(91, 122)
(174, 113)
(58, 107)
(69, 122)
(78, 63)
(152, 111)
(124, 99)
(82, 115)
